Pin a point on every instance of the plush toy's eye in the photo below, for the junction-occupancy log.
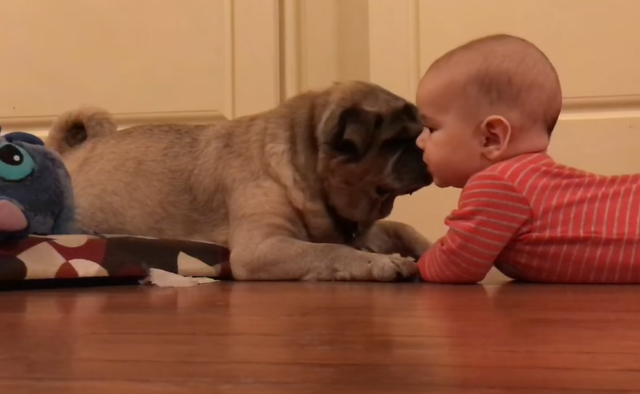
(15, 163)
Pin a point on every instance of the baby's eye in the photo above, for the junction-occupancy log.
(429, 129)
(15, 163)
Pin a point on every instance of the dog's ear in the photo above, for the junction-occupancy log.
(355, 131)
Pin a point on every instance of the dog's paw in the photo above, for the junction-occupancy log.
(388, 268)
(412, 243)
(417, 247)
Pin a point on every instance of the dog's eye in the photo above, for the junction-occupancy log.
(378, 121)
(396, 144)
(15, 163)
(346, 147)
(382, 191)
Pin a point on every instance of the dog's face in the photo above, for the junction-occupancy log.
(368, 153)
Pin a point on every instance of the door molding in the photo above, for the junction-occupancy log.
(394, 60)
(255, 60)
(40, 125)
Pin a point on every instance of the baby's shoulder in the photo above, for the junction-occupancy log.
(515, 168)
(516, 175)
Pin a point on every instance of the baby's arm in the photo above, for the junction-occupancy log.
(490, 213)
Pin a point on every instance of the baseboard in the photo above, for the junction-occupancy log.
(40, 125)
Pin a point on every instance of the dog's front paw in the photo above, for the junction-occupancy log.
(417, 246)
(411, 242)
(393, 267)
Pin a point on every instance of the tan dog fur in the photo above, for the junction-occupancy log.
(262, 185)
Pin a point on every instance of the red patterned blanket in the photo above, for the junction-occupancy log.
(82, 256)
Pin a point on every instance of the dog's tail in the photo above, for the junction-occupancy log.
(74, 127)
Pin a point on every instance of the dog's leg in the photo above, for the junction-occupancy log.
(284, 258)
(391, 237)
(267, 246)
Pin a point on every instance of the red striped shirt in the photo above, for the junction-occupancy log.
(539, 221)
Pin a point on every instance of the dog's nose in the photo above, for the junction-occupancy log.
(427, 178)
(425, 175)
(11, 217)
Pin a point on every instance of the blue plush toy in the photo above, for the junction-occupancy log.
(35, 189)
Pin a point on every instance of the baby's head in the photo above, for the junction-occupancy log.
(484, 102)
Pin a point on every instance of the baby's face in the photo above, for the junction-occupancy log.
(452, 149)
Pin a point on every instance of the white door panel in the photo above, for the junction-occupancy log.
(143, 60)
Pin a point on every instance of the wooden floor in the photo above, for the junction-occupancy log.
(297, 338)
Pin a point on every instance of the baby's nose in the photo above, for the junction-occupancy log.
(420, 141)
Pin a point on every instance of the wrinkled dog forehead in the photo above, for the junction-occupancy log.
(383, 107)
(365, 120)
(367, 95)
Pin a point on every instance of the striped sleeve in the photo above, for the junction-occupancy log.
(490, 212)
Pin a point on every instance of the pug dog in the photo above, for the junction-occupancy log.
(297, 192)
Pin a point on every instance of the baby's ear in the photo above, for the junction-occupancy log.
(496, 133)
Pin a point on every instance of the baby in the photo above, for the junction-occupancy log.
(489, 108)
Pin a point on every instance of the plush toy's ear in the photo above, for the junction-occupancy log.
(19, 136)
